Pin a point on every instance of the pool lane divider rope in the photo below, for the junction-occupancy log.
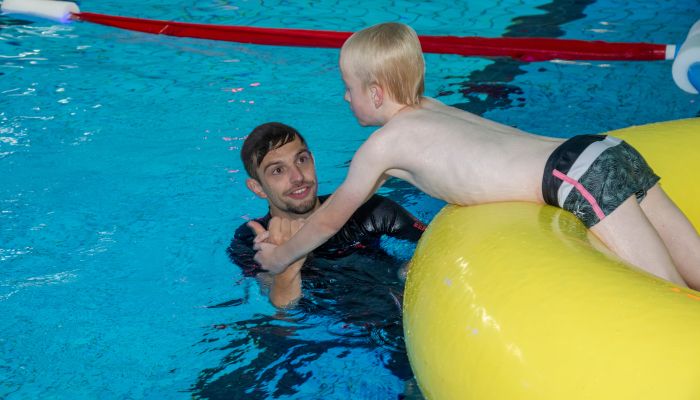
(686, 66)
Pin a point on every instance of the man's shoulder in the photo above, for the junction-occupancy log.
(382, 216)
(376, 201)
(240, 250)
(377, 208)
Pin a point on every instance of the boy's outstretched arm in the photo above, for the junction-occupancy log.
(365, 175)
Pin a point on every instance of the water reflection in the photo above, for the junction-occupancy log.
(491, 88)
(349, 305)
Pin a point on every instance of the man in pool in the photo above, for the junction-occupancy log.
(281, 170)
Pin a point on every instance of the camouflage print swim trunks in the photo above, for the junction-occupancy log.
(591, 175)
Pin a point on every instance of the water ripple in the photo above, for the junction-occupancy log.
(14, 286)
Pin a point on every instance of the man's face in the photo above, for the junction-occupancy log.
(287, 179)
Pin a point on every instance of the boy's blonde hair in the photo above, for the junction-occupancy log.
(389, 55)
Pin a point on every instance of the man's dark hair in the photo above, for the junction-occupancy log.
(263, 139)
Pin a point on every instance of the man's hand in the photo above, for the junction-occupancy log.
(286, 283)
(265, 247)
(261, 234)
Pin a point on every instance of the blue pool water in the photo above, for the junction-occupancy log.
(121, 187)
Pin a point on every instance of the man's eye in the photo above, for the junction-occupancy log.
(303, 159)
(276, 171)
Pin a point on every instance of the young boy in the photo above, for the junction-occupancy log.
(466, 160)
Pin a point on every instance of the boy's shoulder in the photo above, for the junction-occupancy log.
(408, 122)
(382, 142)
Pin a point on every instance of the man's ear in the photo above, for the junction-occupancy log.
(377, 94)
(255, 187)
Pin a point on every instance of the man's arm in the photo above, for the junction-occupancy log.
(285, 287)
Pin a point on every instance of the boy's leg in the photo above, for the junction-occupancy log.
(676, 231)
(628, 233)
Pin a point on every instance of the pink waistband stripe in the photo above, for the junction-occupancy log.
(585, 193)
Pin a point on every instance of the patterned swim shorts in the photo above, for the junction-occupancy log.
(591, 175)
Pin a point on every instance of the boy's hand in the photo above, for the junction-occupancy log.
(266, 258)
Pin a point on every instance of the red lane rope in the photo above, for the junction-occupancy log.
(525, 49)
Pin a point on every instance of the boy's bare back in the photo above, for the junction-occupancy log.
(456, 156)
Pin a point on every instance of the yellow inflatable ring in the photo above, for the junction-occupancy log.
(515, 301)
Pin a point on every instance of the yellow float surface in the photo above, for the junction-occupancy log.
(516, 301)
